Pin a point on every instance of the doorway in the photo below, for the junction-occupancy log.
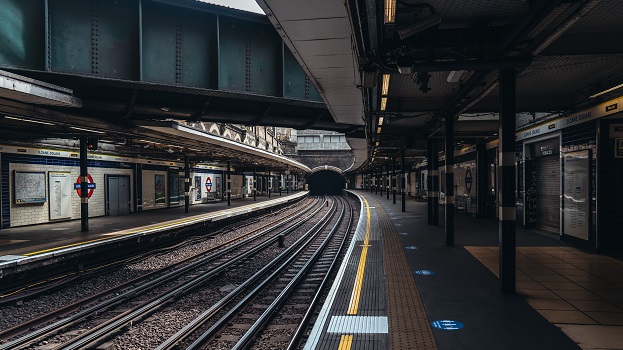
(118, 195)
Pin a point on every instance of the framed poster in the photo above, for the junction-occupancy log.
(618, 148)
(198, 188)
(161, 196)
(576, 191)
(29, 187)
(61, 187)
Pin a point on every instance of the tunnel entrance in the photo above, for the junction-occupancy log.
(325, 182)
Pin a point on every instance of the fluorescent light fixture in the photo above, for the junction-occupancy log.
(194, 149)
(383, 103)
(377, 144)
(378, 130)
(419, 26)
(455, 76)
(27, 120)
(390, 11)
(380, 120)
(87, 130)
(385, 87)
(606, 91)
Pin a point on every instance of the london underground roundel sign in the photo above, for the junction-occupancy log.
(90, 186)
(208, 184)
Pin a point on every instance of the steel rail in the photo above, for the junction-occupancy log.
(61, 324)
(290, 287)
(312, 234)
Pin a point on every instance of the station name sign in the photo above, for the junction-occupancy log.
(596, 112)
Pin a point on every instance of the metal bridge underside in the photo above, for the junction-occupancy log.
(136, 60)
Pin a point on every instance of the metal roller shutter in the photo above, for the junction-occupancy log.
(548, 193)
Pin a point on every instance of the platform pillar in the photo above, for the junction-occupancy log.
(394, 181)
(506, 181)
(382, 180)
(187, 184)
(376, 174)
(228, 183)
(280, 182)
(482, 177)
(389, 181)
(269, 183)
(254, 185)
(429, 179)
(84, 190)
(403, 180)
(449, 184)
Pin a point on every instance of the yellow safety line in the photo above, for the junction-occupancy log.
(65, 246)
(346, 342)
(353, 307)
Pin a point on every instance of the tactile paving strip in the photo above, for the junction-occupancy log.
(409, 328)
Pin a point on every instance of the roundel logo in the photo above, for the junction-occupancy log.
(208, 184)
(90, 186)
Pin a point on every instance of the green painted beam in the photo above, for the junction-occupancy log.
(151, 42)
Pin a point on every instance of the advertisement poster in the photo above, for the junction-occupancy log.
(576, 194)
(160, 189)
(197, 188)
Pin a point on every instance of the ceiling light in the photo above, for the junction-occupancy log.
(419, 26)
(381, 120)
(383, 103)
(390, 11)
(27, 120)
(606, 91)
(378, 130)
(87, 130)
(385, 87)
(455, 76)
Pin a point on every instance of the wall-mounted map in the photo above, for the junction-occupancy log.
(29, 187)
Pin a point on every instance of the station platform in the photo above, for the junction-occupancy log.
(401, 287)
(21, 245)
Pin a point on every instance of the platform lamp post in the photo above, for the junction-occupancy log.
(376, 175)
(403, 179)
(254, 183)
(280, 181)
(84, 191)
(287, 182)
(228, 183)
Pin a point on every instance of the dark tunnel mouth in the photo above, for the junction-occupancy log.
(326, 182)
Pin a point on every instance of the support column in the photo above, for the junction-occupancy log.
(449, 185)
(269, 184)
(254, 184)
(506, 181)
(436, 183)
(482, 174)
(394, 181)
(429, 180)
(287, 183)
(382, 180)
(280, 182)
(187, 184)
(84, 190)
(402, 180)
(389, 181)
(376, 174)
(228, 183)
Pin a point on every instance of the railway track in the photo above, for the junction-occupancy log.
(276, 304)
(35, 332)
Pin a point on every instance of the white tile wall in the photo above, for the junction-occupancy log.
(40, 213)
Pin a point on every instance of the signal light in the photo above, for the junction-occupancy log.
(92, 144)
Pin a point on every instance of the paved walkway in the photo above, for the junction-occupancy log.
(566, 298)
